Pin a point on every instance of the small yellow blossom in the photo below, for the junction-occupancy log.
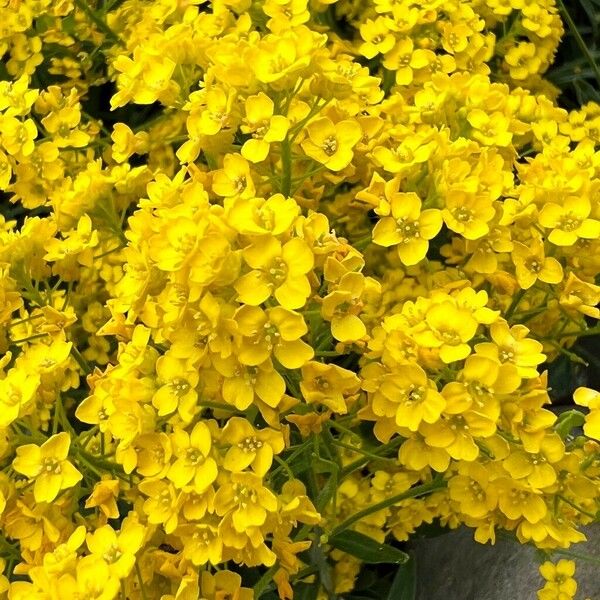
(48, 466)
(408, 228)
(263, 126)
(331, 143)
(560, 584)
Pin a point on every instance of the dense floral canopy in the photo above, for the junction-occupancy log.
(275, 275)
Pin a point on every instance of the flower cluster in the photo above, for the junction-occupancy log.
(276, 273)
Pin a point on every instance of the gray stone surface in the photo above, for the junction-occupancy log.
(455, 567)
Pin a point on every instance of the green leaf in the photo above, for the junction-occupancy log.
(367, 549)
(306, 591)
(586, 92)
(592, 15)
(568, 421)
(404, 585)
(327, 492)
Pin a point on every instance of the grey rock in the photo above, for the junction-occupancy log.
(453, 566)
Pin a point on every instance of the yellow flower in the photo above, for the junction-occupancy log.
(48, 466)
(410, 150)
(409, 397)
(264, 127)
(560, 584)
(285, 14)
(490, 129)
(257, 216)
(214, 112)
(17, 137)
(457, 431)
(16, 98)
(416, 454)
(77, 247)
(118, 550)
(523, 60)
(177, 391)
(278, 59)
(473, 490)
(405, 60)
(468, 214)
(591, 399)
(250, 447)
(329, 385)
(63, 124)
(126, 143)
(279, 270)
(331, 144)
(511, 345)
(537, 467)
(202, 543)
(531, 264)
(408, 228)
(152, 454)
(64, 557)
(537, 19)
(518, 500)
(246, 499)
(569, 221)
(104, 496)
(144, 79)
(456, 37)
(448, 328)
(92, 580)
(277, 331)
(244, 385)
(481, 384)
(193, 458)
(342, 307)
(17, 390)
(162, 505)
(377, 37)
(234, 179)
(580, 296)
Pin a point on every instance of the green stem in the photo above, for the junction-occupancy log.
(584, 557)
(578, 508)
(31, 337)
(300, 181)
(348, 469)
(89, 465)
(362, 243)
(25, 320)
(138, 572)
(116, 249)
(57, 417)
(285, 467)
(419, 490)
(263, 583)
(87, 436)
(297, 452)
(514, 304)
(570, 355)
(365, 453)
(286, 167)
(342, 429)
(580, 333)
(85, 367)
(102, 26)
(217, 406)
